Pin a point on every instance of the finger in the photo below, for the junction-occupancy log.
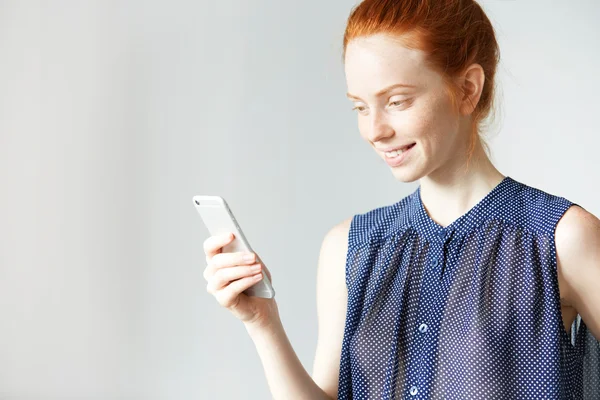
(223, 277)
(230, 295)
(223, 260)
(227, 260)
(214, 244)
(209, 271)
(265, 269)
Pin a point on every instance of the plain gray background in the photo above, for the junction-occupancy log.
(113, 114)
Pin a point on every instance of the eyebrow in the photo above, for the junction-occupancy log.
(384, 90)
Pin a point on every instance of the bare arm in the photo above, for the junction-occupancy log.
(285, 374)
(332, 300)
(578, 255)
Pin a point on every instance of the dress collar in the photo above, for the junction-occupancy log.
(483, 210)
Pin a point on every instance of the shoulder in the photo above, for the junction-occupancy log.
(378, 223)
(577, 242)
(364, 227)
(335, 243)
(339, 232)
(535, 209)
(577, 233)
(534, 199)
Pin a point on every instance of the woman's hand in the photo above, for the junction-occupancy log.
(229, 274)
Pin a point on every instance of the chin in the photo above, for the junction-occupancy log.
(406, 175)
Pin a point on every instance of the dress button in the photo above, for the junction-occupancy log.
(423, 328)
(434, 262)
(413, 390)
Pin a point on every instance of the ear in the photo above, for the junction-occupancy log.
(472, 85)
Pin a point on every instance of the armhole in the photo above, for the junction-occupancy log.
(350, 247)
(558, 210)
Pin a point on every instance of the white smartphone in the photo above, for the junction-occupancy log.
(219, 219)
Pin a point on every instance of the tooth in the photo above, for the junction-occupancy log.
(394, 153)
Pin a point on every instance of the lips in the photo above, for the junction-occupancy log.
(408, 146)
(401, 157)
(403, 147)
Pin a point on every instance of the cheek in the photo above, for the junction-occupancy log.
(433, 124)
(419, 123)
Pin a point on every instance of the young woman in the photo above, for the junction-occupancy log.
(470, 287)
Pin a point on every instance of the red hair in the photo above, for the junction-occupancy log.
(452, 33)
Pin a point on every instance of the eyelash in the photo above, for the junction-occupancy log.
(393, 102)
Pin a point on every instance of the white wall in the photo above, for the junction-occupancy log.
(114, 114)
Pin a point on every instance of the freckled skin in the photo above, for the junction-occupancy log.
(425, 116)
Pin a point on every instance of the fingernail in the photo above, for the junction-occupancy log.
(255, 267)
(248, 257)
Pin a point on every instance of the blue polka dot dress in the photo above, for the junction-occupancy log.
(467, 311)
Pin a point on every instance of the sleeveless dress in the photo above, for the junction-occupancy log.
(467, 311)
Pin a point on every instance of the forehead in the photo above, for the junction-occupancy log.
(374, 62)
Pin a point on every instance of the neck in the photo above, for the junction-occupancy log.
(453, 189)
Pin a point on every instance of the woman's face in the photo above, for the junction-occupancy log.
(419, 115)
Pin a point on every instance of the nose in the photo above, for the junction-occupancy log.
(379, 128)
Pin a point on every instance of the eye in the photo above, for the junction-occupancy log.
(397, 103)
(359, 108)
